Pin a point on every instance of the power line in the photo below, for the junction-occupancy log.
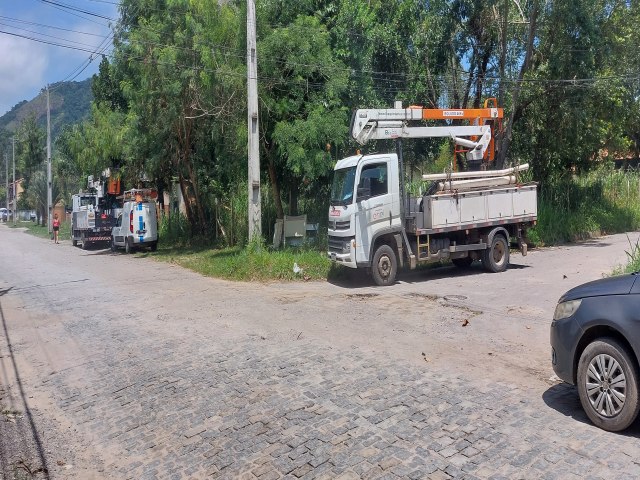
(47, 26)
(76, 9)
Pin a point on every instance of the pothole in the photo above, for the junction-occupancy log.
(361, 296)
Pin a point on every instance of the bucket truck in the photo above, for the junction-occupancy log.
(462, 217)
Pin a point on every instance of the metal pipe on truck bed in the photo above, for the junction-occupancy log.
(476, 174)
(476, 183)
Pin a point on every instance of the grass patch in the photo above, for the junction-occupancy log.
(250, 263)
(43, 230)
(602, 202)
(633, 259)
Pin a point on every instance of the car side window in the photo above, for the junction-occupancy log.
(377, 172)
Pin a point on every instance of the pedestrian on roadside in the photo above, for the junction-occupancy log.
(56, 227)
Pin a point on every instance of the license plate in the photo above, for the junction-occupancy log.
(141, 232)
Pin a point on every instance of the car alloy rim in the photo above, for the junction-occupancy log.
(606, 385)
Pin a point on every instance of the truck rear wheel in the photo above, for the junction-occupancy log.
(385, 266)
(496, 258)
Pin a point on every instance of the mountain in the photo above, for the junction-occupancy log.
(70, 103)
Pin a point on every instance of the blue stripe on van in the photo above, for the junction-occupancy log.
(140, 222)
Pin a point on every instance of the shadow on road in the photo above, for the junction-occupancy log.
(358, 278)
(34, 432)
(564, 399)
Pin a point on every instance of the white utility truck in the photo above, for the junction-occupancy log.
(462, 217)
(94, 212)
(137, 224)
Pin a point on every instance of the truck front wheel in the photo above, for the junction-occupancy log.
(385, 266)
(496, 258)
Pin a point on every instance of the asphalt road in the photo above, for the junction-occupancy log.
(115, 366)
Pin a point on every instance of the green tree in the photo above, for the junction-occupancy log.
(301, 107)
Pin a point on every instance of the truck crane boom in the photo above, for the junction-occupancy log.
(398, 123)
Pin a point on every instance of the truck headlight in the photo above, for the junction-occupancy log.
(346, 246)
(566, 309)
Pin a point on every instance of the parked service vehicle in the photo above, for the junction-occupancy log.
(4, 214)
(595, 345)
(137, 225)
(94, 211)
(462, 216)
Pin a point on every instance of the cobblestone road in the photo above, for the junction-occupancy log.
(261, 409)
(217, 391)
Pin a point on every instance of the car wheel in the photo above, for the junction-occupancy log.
(464, 262)
(384, 266)
(127, 246)
(496, 257)
(608, 385)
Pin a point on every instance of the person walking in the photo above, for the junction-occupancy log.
(56, 227)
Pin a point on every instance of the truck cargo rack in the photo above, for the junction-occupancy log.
(139, 195)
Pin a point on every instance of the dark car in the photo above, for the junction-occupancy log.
(595, 340)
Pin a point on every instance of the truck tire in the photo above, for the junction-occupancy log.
(113, 244)
(83, 239)
(496, 258)
(74, 238)
(385, 266)
(127, 246)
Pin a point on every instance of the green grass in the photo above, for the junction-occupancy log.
(633, 259)
(43, 231)
(250, 263)
(602, 202)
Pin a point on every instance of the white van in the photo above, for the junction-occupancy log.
(137, 225)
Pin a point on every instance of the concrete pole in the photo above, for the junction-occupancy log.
(49, 180)
(15, 188)
(6, 178)
(255, 215)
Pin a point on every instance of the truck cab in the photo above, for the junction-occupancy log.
(364, 205)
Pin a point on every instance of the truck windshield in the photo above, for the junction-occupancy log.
(342, 188)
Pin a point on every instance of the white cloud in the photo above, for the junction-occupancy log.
(23, 65)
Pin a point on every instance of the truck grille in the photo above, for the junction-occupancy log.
(336, 244)
(338, 225)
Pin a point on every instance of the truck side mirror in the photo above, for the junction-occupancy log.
(364, 192)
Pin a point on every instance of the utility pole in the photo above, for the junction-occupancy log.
(49, 193)
(255, 215)
(6, 178)
(15, 190)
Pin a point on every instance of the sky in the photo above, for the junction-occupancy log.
(27, 65)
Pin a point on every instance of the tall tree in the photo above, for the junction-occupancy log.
(301, 108)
